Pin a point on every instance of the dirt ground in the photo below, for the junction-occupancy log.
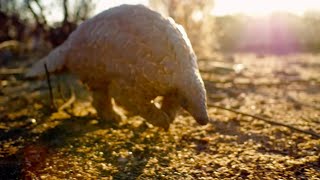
(37, 142)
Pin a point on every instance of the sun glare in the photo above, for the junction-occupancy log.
(221, 7)
(264, 7)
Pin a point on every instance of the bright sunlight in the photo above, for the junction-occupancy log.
(264, 7)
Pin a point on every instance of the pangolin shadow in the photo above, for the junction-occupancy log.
(69, 129)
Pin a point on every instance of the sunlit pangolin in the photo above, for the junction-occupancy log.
(133, 55)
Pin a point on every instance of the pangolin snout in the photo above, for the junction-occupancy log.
(203, 120)
(195, 104)
(201, 115)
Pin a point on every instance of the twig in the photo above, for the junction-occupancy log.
(270, 121)
(10, 43)
(253, 83)
(50, 87)
(4, 71)
(60, 89)
(69, 102)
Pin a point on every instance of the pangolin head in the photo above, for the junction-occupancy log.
(192, 97)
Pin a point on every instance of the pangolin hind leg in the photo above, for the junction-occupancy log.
(103, 104)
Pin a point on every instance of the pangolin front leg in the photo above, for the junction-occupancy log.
(140, 106)
(170, 105)
(136, 103)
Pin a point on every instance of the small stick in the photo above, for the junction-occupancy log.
(69, 102)
(60, 89)
(50, 87)
(270, 121)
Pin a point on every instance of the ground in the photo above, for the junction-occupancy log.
(38, 142)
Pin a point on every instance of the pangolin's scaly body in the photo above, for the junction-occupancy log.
(133, 54)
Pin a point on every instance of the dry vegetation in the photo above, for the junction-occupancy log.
(195, 17)
(71, 143)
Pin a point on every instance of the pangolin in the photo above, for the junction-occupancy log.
(133, 54)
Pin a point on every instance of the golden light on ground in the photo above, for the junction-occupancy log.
(264, 7)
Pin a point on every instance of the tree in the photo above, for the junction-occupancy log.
(197, 19)
(78, 11)
(37, 28)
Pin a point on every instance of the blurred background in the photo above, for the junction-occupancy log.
(265, 26)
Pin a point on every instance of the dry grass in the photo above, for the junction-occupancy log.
(72, 144)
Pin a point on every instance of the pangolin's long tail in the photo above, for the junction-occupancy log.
(55, 61)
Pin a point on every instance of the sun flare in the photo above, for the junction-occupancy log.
(264, 7)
